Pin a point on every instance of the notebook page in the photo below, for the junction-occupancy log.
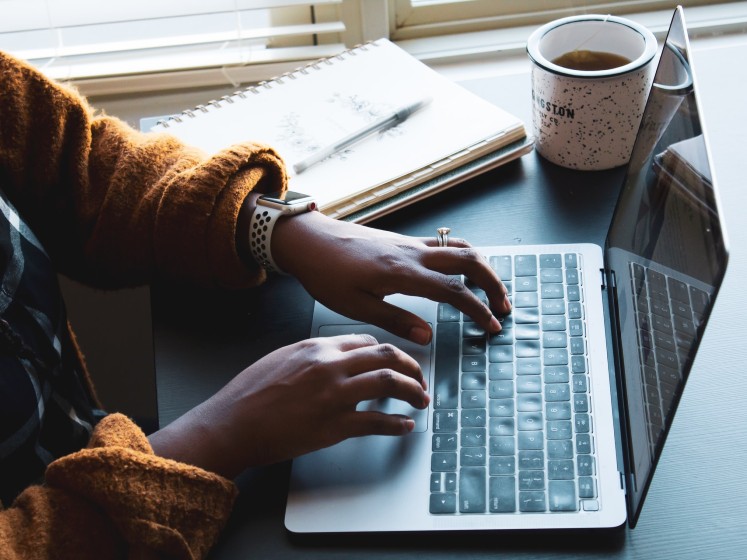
(322, 103)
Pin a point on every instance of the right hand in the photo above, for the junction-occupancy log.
(295, 400)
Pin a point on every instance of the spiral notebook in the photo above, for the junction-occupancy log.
(456, 136)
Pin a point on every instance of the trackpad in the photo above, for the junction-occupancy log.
(422, 354)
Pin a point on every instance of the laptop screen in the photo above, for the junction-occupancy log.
(667, 252)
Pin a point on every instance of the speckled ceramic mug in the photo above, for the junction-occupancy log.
(588, 119)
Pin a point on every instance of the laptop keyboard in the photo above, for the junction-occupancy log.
(668, 313)
(512, 430)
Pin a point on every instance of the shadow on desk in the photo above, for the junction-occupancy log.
(529, 201)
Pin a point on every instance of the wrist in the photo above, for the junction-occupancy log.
(191, 440)
(272, 210)
(296, 240)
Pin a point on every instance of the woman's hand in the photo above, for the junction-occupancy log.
(351, 268)
(297, 399)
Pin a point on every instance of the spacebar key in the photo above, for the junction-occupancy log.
(446, 374)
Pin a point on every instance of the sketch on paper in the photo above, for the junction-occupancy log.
(353, 111)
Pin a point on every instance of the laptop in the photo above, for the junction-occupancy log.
(559, 421)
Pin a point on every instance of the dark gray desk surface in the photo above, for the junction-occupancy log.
(697, 506)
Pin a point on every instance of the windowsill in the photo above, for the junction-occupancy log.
(480, 53)
(495, 53)
(487, 66)
(132, 102)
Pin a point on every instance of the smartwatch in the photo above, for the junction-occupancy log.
(270, 208)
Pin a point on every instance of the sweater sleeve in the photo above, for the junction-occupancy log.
(117, 499)
(116, 207)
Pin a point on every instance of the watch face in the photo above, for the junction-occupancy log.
(287, 198)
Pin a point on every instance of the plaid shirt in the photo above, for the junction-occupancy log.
(45, 408)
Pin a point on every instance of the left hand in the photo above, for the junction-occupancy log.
(351, 268)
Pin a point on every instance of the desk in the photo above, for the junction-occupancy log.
(690, 512)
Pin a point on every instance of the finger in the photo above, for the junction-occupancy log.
(452, 242)
(370, 423)
(472, 264)
(383, 357)
(385, 384)
(374, 310)
(450, 289)
(352, 341)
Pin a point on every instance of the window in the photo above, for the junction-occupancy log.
(427, 18)
(93, 40)
(141, 45)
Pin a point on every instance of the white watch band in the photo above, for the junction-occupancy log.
(260, 236)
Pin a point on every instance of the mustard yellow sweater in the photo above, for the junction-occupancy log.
(115, 207)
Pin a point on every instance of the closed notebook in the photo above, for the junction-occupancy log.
(456, 135)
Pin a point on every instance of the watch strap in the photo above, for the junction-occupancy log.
(260, 235)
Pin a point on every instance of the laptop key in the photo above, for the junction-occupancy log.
(553, 323)
(443, 503)
(554, 339)
(574, 293)
(472, 482)
(500, 466)
(526, 299)
(587, 487)
(531, 480)
(444, 421)
(560, 449)
(571, 276)
(525, 265)
(527, 348)
(502, 497)
(551, 261)
(526, 284)
(446, 371)
(502, 266)
(443, 462)
(448, 313)
(503, 338)
(532, 501)
(527, 315)
(562, 495)
(551, 276)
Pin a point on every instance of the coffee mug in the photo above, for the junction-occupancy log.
(591, 76)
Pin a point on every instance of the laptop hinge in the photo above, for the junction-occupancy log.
(608, 279)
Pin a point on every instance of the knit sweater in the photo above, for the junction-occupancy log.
(113, 207)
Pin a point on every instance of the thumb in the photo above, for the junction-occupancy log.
(393, 319)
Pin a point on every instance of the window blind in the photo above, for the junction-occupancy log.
(85, 39)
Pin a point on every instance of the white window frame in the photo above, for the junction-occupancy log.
(463, 32)
(504, 36)
(412, 19)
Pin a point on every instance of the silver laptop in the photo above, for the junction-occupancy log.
(558, 421)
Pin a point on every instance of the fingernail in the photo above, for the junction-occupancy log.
(420, 335)
(495, 325)
(409, 424)
(426, 400)
(507, 302)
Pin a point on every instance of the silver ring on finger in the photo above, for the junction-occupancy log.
(443, 236)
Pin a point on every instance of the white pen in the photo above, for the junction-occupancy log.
(387, 121)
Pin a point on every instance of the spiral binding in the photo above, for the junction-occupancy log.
(264, 85)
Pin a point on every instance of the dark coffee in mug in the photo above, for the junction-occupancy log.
(591, 75)
(590, 60)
